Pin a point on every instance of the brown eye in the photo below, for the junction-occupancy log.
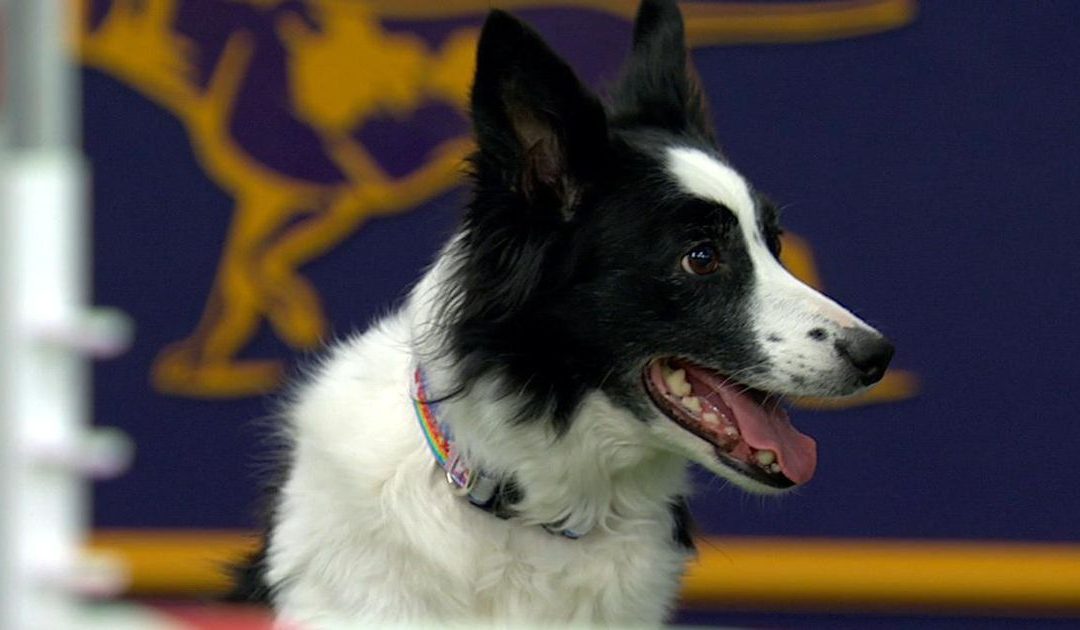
(702, 260)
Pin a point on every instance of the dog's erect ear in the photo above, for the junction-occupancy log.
(659, 87)
(537, 126)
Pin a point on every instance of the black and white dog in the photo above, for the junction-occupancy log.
(512, 445)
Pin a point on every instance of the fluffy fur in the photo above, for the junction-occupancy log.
(536, 326)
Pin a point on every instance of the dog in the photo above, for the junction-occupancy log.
(512, 444)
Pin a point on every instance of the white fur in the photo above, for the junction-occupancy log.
(782, 304)
(368, 531)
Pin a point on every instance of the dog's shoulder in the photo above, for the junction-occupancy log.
(359, 388)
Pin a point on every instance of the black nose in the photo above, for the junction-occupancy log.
(868, 352)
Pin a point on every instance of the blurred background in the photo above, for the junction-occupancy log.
(267, 175)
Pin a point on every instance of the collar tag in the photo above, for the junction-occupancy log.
(459, 476)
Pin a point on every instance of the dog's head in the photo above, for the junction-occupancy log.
(612, 248)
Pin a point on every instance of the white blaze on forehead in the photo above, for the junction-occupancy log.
(704, 176)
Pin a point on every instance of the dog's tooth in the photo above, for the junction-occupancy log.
(731, 431)
(710, 417)
(774, 468)
(676, 382)
(765, 457)
(693, 403)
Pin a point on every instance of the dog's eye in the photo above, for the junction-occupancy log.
(702, 260)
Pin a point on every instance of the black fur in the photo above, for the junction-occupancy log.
(540, 132)
(683, 529)
(568, 276)
(249, 579)
(659, 87)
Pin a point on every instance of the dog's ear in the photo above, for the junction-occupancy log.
(659, 87)
(538, 128)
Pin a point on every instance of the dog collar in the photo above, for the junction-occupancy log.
(482, 490)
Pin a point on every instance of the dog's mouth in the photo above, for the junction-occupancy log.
(748, 429)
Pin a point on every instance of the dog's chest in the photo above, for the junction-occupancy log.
(367, 529)
(467, 565)
(606, 577)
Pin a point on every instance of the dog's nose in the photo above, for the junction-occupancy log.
(868, 352)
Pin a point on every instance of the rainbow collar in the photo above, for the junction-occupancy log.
(484, 491)
(481, 489)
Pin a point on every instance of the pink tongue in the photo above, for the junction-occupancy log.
(770, 429)
(766, 428)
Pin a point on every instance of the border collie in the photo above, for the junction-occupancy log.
(512, 445)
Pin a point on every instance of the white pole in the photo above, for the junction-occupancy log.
(46, 447)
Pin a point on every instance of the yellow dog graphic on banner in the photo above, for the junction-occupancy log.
(343, 68)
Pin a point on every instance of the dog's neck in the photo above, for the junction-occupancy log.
(598, 472)
(602, 473)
